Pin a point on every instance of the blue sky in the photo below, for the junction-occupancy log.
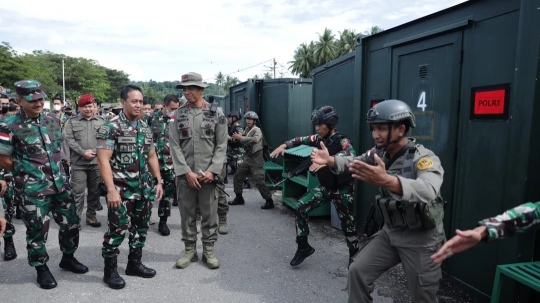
(161, 40)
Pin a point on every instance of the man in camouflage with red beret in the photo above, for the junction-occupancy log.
(80, 134)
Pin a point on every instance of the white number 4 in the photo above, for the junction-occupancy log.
(422, 101)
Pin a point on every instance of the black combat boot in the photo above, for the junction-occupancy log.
(268, 205)
(99, 206)
(162, 227)
(69, 262)
(304, 250)
(135, 266)
(18, 213)
(111, 276)
(239, 200)
(44, 277)
(9, 249)
(175, 202)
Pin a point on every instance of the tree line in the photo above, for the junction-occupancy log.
(309, 56)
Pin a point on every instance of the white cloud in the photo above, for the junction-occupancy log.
(163, 39)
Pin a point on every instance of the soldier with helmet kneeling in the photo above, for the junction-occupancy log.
(336, 188)
(410, 178)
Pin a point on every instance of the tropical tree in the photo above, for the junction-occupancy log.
(346, 42)
(373, 30)
(325, 48)
(304, 62)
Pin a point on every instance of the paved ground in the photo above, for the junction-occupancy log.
(254, 259)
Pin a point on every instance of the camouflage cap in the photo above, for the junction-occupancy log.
(191, 79)
(30, 90)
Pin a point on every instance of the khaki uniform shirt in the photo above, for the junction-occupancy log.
(198, 139)
(80, 135)
(423, 189)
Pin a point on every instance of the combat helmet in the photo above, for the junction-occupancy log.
(391, 112)
(235, 114)
(251, 115)
(325, 114)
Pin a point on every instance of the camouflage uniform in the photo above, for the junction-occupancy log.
(518, 219)
(8, 203)
(235, 150)
(130, 144)
(39, 180)
(342, 197)
(160, 130)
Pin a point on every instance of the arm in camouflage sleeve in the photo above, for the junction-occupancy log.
(347, 148)
(517, 219)
(312, 140)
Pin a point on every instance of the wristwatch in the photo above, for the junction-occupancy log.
(160, 181)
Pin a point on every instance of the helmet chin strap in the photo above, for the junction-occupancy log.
(389, 137)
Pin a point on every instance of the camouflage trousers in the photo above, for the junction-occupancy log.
(342, 199)
(255, 170)
(35, 214)
(9, 204)
(169, 196)
(135, 211)
(235, 157)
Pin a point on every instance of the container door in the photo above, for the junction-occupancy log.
(426, 75)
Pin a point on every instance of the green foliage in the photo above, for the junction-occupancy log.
(328, 47)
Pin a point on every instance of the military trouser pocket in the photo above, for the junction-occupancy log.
(430, 278)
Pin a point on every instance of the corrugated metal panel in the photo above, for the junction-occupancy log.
(300, 108)
(300, 151)
(333, 84)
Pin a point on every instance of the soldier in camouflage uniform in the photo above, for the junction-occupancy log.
(30, 147)
(235, 149)
(57, 110)
(252, 139)
(159, 123)
(130, 170)
(519, 219)
(6, 181)
(335, 188)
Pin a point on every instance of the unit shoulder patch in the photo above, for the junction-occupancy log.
(424, 163)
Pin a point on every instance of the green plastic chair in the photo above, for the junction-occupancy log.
(525, 273)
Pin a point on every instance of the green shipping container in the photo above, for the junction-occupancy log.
(470, 73)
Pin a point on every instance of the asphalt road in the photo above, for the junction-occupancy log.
(254, 265)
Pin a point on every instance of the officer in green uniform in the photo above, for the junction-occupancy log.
(336, 188)
(410, 177)
(198, 138)
(30, 147)
(252, 140)
(9, 205)
(130, 170)
(159, 123)
(80, 134)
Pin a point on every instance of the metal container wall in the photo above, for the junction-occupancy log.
(333, 84)
(443, 65)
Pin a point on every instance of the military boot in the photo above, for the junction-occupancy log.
(9, 249)
(162, 227)
(190, 255)
(208, 256)
(18, 213)
(111, 276)
(44, 277)
(304, 250)
(69, 262)
(93, 222)
(268, 205)
(135, 266)
(223, 229)
(238, 200)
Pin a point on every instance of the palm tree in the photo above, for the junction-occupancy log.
(304, 62)
(346, 42)
(230, 81)
(220, 80)
(373, 30)
(325, 48)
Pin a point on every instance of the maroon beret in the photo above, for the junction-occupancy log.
(85, 100)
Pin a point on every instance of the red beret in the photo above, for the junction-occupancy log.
(85, 100)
